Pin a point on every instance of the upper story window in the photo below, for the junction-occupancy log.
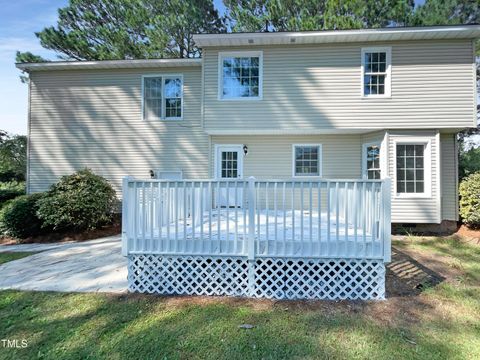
(376, 64)
(307, 160)
(163, 97)
(240, 76)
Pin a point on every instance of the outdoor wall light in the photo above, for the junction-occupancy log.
(245, 150)
(152, 174)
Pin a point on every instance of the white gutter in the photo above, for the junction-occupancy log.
(329, 36)
(108, 64)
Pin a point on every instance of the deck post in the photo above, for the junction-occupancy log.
(387, 219)
(125, 221)
(251, 236)
(251, 218)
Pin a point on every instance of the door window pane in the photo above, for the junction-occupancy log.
(373, 162)
(229, 164)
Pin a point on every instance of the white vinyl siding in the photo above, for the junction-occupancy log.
(270, 157)
(449, 160)
(313, 88)
(93, 118)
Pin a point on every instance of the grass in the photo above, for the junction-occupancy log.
(442, 322)
(10, 256)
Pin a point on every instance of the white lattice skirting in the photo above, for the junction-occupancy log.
(277, 278)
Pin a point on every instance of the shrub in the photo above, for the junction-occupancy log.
(18, 217)
(81, 201)
(10, 190)
(470, 200)
(11, 175)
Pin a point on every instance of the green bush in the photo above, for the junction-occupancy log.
(18, 218)
(469, 162)
(11, 175)
(10, 190)
(81, 201)
(470, 200)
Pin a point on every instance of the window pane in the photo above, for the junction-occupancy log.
(419, 150)
(409, 162)
(152, 94)
(153, 108)
(241, 77)
(229, 164)
(373, 162)
(410, 187)
(410, 172)
(375, 84)
(400, 187)
(419, 187)
(419, 174)
(173, 97)
(375, 73)
(419, 162)
(307, 161)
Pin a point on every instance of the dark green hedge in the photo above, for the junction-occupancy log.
(18, 218)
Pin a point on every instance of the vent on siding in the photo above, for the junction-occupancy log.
(169, 174)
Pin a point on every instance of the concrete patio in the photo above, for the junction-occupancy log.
(89, 266)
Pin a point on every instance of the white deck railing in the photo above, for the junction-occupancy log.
(347, 219)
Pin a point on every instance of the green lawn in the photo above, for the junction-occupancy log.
(441, 322)
(10, 256)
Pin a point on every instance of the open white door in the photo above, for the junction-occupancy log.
(229, 166)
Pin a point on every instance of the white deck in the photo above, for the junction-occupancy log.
(294, 232)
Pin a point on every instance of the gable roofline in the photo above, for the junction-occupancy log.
(339, 36)
(108, 64)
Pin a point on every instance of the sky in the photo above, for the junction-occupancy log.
(19, 20)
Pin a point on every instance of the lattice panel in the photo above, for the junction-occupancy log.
(187, 275)
(319, 279)
(276, 278)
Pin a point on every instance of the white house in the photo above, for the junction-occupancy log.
(304, 107)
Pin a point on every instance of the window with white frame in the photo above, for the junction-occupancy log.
(376, 71)
(162, 97)
(307, 160)
(372, 161)
(240, 76)
(411, 163)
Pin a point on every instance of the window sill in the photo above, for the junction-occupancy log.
(163, 119)
(376, 97)
(306, 177)
(241, 99)
(413, 196)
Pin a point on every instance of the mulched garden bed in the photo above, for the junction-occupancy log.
(108, 230)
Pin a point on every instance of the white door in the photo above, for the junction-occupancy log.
(229, 166)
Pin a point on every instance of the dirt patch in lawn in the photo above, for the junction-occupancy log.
(108, 230)
(465, 232)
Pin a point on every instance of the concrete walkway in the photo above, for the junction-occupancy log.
(89, 266)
